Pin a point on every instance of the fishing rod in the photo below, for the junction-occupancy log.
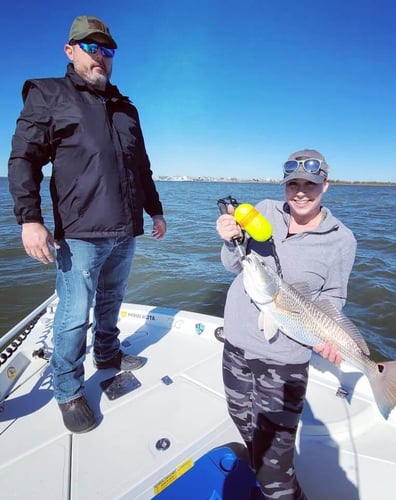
(223, 204)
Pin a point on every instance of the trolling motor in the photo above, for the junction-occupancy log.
(251, 221)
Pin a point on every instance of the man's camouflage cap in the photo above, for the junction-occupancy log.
(85, 26)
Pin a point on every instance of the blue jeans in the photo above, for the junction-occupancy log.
(89, 272)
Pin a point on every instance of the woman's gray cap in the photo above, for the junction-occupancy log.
(300, 173)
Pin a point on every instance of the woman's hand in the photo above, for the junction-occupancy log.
(227, 227)
(329, 351)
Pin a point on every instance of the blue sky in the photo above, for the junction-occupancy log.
(229, 88)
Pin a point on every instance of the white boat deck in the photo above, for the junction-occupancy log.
(148, 437)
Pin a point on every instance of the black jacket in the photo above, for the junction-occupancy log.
(101, 178)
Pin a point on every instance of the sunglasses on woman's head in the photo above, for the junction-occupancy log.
(310, 165)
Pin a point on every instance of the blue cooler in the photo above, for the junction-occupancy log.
(218, 475)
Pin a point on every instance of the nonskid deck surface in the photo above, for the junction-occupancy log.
(148, 437)
(176, 415)
(345, 448)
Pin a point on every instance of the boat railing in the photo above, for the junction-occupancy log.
(10, 342)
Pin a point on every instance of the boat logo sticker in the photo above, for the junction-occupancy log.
(11, 372)
(199, 328)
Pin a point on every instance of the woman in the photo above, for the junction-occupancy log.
(265, 381)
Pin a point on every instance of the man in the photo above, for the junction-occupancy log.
(101, 182)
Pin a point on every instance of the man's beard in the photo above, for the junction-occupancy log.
(98, 81)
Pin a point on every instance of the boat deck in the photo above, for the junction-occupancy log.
(180, 404)
(151, 435)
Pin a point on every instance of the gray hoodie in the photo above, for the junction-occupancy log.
(321, 258)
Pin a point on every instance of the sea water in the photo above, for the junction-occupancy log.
(184, 270)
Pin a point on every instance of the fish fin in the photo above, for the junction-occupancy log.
(303, 289)
(383, 384)
(267, 325)
(345, 323)
(282, 305)
(287, 310)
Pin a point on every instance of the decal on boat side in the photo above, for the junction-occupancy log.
(11, 372)
(173, 476)
(126, 314)
(177, 324)
(199, 328)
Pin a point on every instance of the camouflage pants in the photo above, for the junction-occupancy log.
(265, 401)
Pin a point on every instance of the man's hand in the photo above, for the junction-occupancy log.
(37, 241)
(159, 227)
(329, 351)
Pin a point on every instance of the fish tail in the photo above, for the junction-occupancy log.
(383, 384)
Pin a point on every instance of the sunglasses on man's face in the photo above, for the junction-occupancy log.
(310, 165)
(92, 48)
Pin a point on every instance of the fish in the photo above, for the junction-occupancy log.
(289, 309)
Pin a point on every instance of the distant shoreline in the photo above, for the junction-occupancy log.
(186, 178)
